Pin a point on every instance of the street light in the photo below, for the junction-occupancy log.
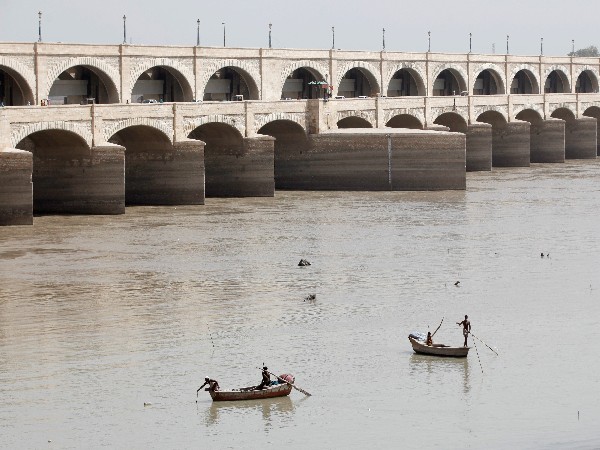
(124, 29)
(198, 33)
(470, 41)
(384, 39)
(572, 47)
(224, 42)
(332, 38)
(428, 41)
(40, 27)
(542, 47)
(270, 26)
(507, 37)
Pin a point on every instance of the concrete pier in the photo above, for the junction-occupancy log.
(16, 188)
(479, 147)
(580, 138)
(510, 145)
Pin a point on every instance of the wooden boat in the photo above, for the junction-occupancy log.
(437, 349)
(281, 389)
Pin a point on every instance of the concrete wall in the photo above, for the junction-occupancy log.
(479, 147)
(16, 192)
(510, 145)
(547, 141)
(378, 160)
(580, 138)
(90, 185)
(245, 172)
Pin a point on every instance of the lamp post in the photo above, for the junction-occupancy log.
(124, 29)
(40, 26)
(332, 38)
(470, 41)
(224, 35)
(198, 33)
(383, 39)
(507, 37)
(541, 46)
(270, 26)
(428, 41)
(572, 47)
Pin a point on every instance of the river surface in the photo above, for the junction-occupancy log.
(100, 315)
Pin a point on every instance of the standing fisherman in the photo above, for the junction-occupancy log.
(266, 379)
(466, 324)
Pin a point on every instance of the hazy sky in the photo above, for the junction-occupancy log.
(307, 23)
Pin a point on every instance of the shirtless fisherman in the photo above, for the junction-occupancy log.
(466, 324)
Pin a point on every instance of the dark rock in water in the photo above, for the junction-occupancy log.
(311, 298)
(303, 262)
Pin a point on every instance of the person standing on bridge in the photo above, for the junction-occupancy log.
(466, 324)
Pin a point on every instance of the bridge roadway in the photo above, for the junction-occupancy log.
(97, 158)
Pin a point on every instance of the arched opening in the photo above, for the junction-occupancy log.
(531, 116)
(229, 83)
(301, 84)
(564, 114)
(524, 82)
(454, 121)
(488, 82)
(58, 169)
(586, 82)
(224, 144)
(354, 122)
(449, 82)
(14, 90)
(544, 143)
(556, 83)
(594, 112)
(80, 85)
(358, 82)
(146, 149)
(405, 121)
(406, 82)
(161, 84)
(290, 141)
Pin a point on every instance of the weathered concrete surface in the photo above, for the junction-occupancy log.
(510, 145)
(580, 138)
(371, 159)
(16, 189)
(92, 184)
(548, 141)
(479, 147)
(166, 175)
(241, 171)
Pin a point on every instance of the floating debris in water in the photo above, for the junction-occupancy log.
(303, 262)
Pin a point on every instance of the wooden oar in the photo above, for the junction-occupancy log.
(484, 343)
(287, 382)
(436, 330)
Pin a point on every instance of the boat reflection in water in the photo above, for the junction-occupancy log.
(435, 369)
(280, 408)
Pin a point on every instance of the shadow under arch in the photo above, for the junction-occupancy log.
(354, 122)
(229, 81)
(587, 82)
(82, 84)
(557, 83)
(14, 89)
(406, 82)
(564, 114)
(452, 120)
(358, 82)
(449, 82)
(296, 85)
(146, 150)
(291, 140)
(488, 82)
(59, 166)
(224, 145)
(405, 121)
(524, 82)
(161, 83)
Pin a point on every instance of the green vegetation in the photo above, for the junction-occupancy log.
(592, 50)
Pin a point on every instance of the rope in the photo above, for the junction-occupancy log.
(476, 351)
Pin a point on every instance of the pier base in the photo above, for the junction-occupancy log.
(16, 189)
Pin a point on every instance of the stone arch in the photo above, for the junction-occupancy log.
(317, 68)
(593, 77)
(417, 113)
(405, 121)
(354, 122)
(498, 110)
(532, 116)
(21, 131)
(495, 72)
(538, 108)
(108, 75)
(456, 70)
(562, 74)
(24, 78)
(250, 70)
(416, 71)
(248, 83)
(565, 109)
(237, 122)
(367, 70)
(260, 120)
(183, 74)
(367, 116)
(530, 73)
(452, 120)
(112, 128)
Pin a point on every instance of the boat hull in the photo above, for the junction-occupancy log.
(279, 390)
(450, 352)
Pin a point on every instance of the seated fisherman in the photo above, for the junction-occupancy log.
(429, 340)
(266, 379)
